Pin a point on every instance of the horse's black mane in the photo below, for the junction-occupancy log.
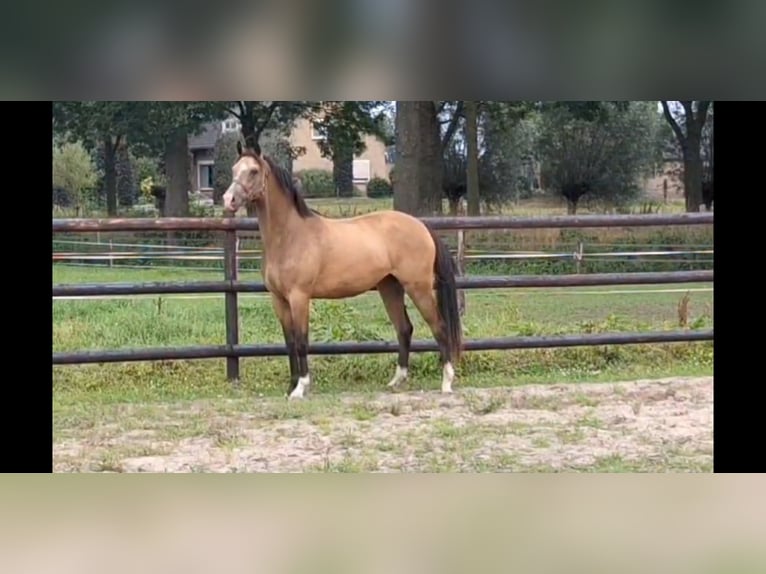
(288, 188)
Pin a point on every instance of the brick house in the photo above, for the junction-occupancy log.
(375, 161)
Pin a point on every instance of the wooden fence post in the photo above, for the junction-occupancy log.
(230, 268)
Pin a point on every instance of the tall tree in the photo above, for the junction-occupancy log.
(417, 181)
(166, 129)
(600, 151)
(425, 135)
(689, 135)
(344, 124)
(258, 117)
(74, 175)
(508, 163)
(104, 125)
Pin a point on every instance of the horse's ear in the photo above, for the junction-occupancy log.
(239, 148)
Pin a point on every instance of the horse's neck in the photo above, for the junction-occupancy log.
(278, 223)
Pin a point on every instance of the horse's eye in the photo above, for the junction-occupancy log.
(253, 172)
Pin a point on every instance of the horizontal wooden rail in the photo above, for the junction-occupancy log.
(488, 282)
(374, 347)
(479, 222)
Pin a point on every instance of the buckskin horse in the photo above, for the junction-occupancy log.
(308, 256)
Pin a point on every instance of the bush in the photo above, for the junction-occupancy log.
(317, 183)
(74, 174)
(379, 187)
(62, 197)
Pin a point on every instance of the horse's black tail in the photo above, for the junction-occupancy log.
(446, 298)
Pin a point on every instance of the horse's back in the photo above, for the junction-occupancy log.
(386, 227)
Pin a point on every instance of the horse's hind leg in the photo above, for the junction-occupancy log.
(422, 294)
(299, 312)
(392, 293)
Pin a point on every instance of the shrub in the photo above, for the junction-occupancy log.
(74, 174)
(61, 197)
(379, 187)
(317, 183)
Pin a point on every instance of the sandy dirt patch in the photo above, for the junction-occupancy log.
(654, 426)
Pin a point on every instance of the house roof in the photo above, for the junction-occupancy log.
(207, 138)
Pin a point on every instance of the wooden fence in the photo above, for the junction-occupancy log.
(232, 351)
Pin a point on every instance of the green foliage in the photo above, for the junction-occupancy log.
(341, 321)
(159, 120)
(259, 117)
(607, 148)
(146, 125)
(74, 173)
(379, 187)
(127, 184)
(91, 121)
(317, 182)
(165, 321)
(145, 167)
(346, 122)
(454, 180)
(507, 166)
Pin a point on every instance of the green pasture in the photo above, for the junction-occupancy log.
(199, 320)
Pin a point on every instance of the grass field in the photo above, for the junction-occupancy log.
(168, 320)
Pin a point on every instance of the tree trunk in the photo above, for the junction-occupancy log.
(127, 189)
(690, 143)
(110, 175)
(571, 207)
(177, 168)
(343, 171)
(418, 180)
(472, 145)
(248, 126)
(692, 174)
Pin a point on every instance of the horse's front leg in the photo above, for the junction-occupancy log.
(299, 312)
(282, 311)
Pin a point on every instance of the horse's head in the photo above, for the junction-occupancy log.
(248, 179)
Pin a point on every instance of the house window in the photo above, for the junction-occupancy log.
(205, 176)
(318, 132)
(361, 170)
(231, 125)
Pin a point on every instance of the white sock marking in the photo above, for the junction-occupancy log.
(298, 391)
(448, 375)
(401, 375)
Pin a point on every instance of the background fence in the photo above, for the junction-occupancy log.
(231, 286)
